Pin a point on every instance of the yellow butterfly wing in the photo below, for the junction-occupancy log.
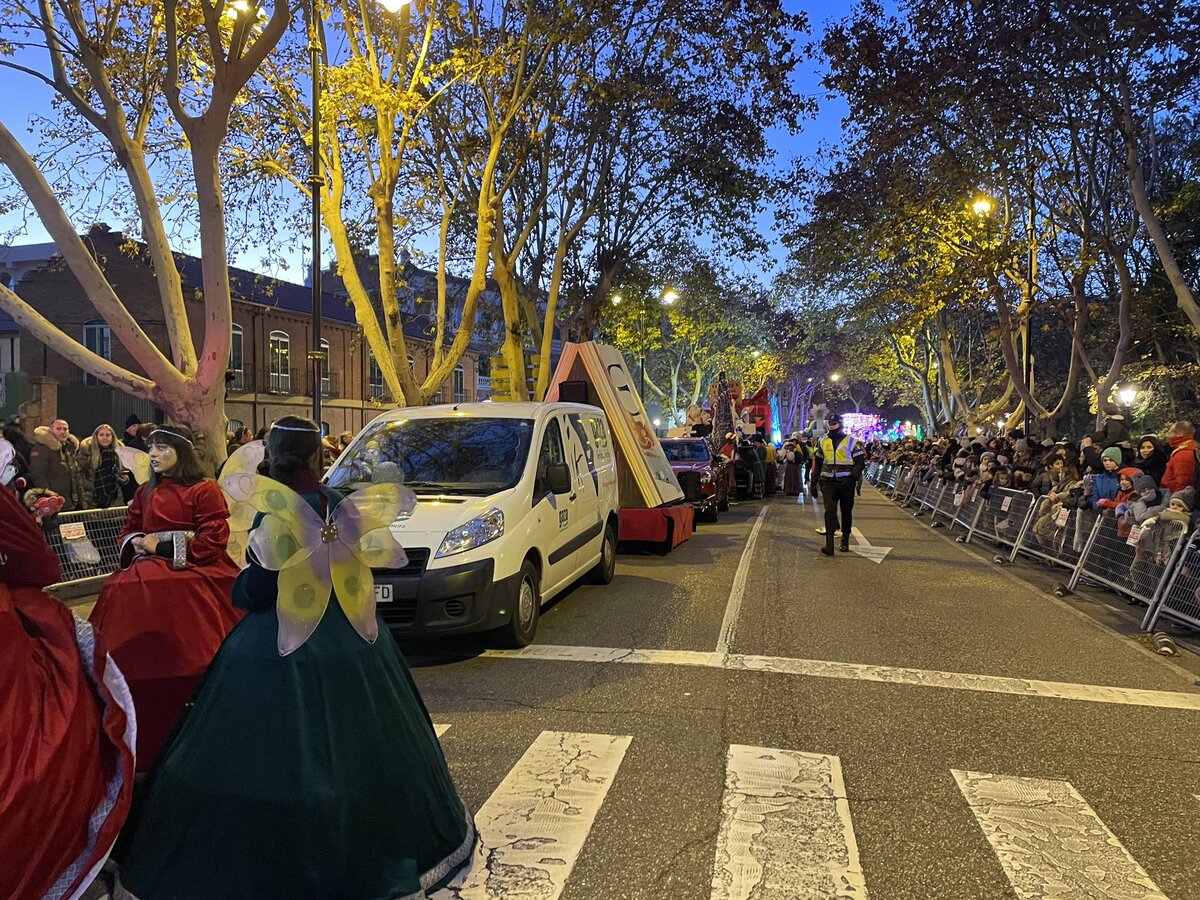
(304, 588)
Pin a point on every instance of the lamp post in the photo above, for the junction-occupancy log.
(668, 299)
(1126, 395)
(316, 355)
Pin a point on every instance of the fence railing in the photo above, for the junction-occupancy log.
(1156, 564)
(85, 542)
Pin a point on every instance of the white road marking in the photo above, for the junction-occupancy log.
(816, 668)
(533, 826)
(738, 592)
(864, 549)
(1050, 842)
(785, 829)
(439, 730)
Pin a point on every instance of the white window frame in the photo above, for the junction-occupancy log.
(97, 337)
(237, 356)
(458, 391)
(279, 348)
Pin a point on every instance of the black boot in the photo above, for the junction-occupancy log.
(827, 550)
(845, 548)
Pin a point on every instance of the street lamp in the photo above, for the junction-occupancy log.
(1127, 394)
(834, 377)
(316, 355)
(982, 206)
(669, 297)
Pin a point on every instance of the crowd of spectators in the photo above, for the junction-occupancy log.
(1138, 483)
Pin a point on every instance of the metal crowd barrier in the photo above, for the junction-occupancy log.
(1179, 600)
(1056, 535)
(1003, 515)
(1158, 565)
(85, 542)
(1131, 561)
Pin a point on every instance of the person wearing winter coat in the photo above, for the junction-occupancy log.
(1151, 457)
(1119, 504)
(1114, 432)
(1105, 484)
(107, 480)
(133, 434)
(1181, 467)
(1181, 506)
(1149, 500)
(52, 464)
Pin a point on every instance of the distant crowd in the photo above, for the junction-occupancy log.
(1138, 482)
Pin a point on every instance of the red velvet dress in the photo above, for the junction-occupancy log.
(163, 625)
(66, 728)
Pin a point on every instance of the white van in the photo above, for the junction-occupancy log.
(516, 501)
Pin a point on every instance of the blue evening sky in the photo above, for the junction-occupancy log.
(23, 97)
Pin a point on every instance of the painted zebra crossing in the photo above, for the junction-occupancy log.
(786, 831)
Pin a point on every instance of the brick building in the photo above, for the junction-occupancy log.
(269, 374)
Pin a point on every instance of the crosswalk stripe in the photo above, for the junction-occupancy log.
(533, 826)
(439, 730)
(1050, 842)
(785, 829)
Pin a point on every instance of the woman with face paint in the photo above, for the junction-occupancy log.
(164, 613)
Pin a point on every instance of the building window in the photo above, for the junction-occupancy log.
(460, 384)
(233, 427)
(279, 359)
(326, 380)
(374, 380)
(10, 353)
(238, 381)
(97, 337)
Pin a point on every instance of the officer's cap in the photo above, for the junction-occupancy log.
(833, 418)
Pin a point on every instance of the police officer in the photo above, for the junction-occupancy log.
(837, 467)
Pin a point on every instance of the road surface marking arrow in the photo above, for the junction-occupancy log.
(864, 549)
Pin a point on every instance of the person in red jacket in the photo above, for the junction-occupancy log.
(68, 725)
(1181, 467)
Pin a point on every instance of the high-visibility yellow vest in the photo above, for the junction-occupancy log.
(843, 455)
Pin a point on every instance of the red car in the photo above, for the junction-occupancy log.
(700, 475)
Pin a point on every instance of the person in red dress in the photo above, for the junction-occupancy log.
(66, 727)
(165, 612)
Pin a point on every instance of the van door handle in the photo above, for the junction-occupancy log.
(572, 497)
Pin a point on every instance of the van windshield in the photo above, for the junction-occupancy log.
(686, 451)
(460, 455)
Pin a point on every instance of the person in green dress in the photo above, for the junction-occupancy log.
(306, 765)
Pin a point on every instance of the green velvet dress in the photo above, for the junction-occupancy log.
(312, 775)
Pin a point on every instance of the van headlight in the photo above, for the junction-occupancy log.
(705, 477)
(475, 533)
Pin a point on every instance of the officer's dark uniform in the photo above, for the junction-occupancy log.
(837, 466)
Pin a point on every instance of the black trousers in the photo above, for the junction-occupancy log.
(835, 493)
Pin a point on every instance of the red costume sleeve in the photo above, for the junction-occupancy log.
(133, 518)
(26, 560)
(212, 524)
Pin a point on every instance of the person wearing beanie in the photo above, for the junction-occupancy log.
(132, 437)
(1104, 483)
(1181, 506)
(1148, 499)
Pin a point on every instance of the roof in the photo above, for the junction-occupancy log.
(263, 290)
(19, 253)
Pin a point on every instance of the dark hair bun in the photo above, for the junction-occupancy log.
(292, 444)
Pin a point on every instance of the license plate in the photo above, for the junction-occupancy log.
(383, 593)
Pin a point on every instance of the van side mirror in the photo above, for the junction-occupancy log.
(558, 478)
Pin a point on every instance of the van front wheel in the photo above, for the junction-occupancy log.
(527, 606)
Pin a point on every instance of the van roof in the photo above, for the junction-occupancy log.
(502, 410)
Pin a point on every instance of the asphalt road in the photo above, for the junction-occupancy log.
(793, 726)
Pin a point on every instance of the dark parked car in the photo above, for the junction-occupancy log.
(700, 475)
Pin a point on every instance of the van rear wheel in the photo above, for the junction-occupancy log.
(606, 568)
(527, 607)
